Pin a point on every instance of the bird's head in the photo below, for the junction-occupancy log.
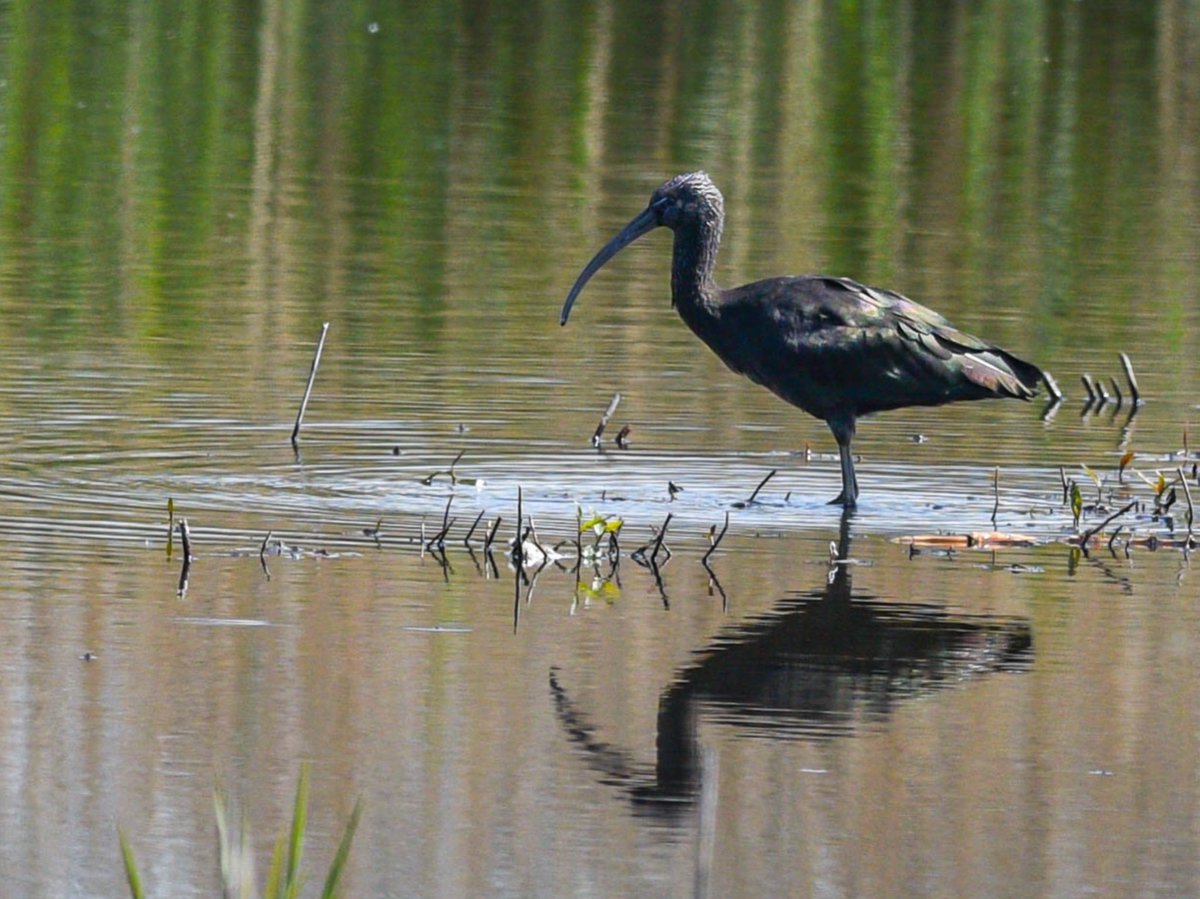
(686, 201)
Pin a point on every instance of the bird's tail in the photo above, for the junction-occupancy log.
(1003, 373)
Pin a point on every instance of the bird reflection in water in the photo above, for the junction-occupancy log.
(814, 667)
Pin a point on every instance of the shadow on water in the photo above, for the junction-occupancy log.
(820, 665)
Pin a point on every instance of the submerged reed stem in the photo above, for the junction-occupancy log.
(312, 376)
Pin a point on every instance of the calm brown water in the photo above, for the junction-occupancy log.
(185, 198)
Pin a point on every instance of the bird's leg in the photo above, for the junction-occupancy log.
(843, 432)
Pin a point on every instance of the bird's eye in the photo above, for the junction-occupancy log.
(668, 211)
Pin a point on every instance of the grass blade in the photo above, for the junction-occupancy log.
(224, 850)
(343, 852)
(131, 871)
(274, 888)
(296, 838)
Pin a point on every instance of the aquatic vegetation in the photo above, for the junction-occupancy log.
(284, 878)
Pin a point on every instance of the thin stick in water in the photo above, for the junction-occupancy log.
(531, 531)
(716, 542)
(658, 540)
(439, 539)
(170, 527)
(1113, 539)
(518, 550)
(478, 518)
(491, 537)
(1056, 395)
(1083, 541)
(578, 543)
(185, 537)
(457, 459)
(996, 492)
(612, 407)
(312, 376)
(760, 486)
(1187, 493)
(262, 555)
(1132, 379)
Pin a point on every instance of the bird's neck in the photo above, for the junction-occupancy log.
(693, 288)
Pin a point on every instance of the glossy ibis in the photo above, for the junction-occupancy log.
(833, 347)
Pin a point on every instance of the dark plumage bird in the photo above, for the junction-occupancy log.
(833, 347)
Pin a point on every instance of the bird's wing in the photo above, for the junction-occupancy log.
(832, 344)
(928, 332)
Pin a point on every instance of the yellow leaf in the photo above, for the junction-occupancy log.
(596, 521)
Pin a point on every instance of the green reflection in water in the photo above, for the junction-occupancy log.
(224, 174)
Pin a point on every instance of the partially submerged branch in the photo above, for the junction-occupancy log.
(1092, 532)
(1131, 379)
(612, 407)
(716, 541)
(754, 495)
(312, 376)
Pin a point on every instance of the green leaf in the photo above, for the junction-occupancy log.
(1076, 502)
(131, 871)
(296, 839)
(274, 888)
(343, 852)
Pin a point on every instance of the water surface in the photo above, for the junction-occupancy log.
(187, 198)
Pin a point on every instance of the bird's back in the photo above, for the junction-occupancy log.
(835, 347)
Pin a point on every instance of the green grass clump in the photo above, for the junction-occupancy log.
(284, 879)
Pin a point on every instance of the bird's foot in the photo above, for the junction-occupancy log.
(842, 500)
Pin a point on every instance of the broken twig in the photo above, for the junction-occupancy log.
(518, 550)
(657, 543)
(312, 376)
(612, 407)
(716, 542)
(1056, 395)
(478, 518)
(996, 493)
(1087, 385)
(1113, 539)
(1132, 379)
(185, 537)
(491, 537)
(754, 495)
(1088, 535)
(438, 540)
(1187, 494)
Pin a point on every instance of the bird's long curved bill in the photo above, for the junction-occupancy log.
(647, 221)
